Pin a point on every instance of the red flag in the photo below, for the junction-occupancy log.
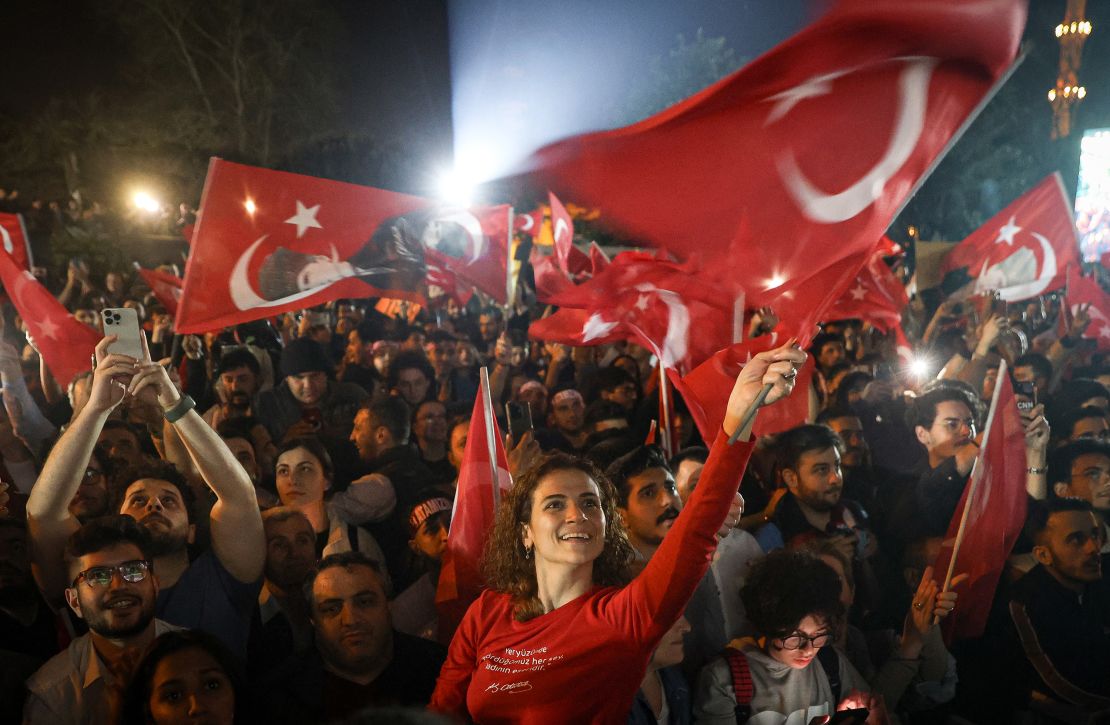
(476, 500)
(599, 260)
(707, 388)
(895, 79)
(1086, 290)
(1025, 249)
(550, 280)
(657, 303)
(877, 296)
(269, 241)
(474, 245)
(571, 259)
(15, 240)
(165, 286)
(994, 499)
(579, 328)
(65, 344)
(530, 223)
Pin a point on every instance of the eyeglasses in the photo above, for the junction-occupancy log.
(91, 473)
(132, 572)
(799, 641)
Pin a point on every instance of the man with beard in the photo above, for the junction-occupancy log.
(809, 461)
(429, 428)
(648, 503)
(113, 588)
(359, 659)
(281, 626)
(1082, 470)
(1060, 615)
(217, 590)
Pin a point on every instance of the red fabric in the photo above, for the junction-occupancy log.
(65, 344)
(877, 296)
(231, 245)
(460, 578)
(995, 518)
(759, 157)
(599, 260)
(550, 280)
(165, 286)
(584, 661)
(651, 300)
(14, 239)
(485, 260)
(530, 223)
(569, 257)
(707, 388)
(1023, 250)
(1086, 290)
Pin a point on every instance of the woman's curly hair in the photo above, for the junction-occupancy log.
(504, 563)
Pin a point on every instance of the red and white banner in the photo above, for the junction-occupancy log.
(752, 172)
(64, 343)
(483, 479)
(877, 296)
(1025, 249)
(994, 500)
(165, 286)
(1087, 291)
(14, 239)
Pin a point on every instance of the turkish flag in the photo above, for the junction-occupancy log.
(474, 245)
(571, 259)
(1087, 291)
(1025, 249)
(678, 311)
(580, 328)
(599, 260)
(877, 296)
(476, 500)
(707, 387)
(530, 223)
(165, 286)
(64, 343)
(893, 80)
(550, 280)
(995, 500)
(14, 238)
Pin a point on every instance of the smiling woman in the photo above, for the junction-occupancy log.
(560, 610)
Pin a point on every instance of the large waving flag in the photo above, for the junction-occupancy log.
(64, 343)
(877, 296)
(1024, 250)
(270, 241)
(989, 517)
(753, 171)
(483, 479)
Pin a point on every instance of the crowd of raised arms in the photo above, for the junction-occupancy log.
(248, 526)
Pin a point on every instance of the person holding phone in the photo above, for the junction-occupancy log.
(214, 591)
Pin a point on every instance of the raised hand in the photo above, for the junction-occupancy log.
(777, 368)
(111, 377)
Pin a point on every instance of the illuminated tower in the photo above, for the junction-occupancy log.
(1072, 33)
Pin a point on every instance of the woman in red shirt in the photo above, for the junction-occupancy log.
(558, 637)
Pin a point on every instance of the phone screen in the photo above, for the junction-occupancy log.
(519, 416)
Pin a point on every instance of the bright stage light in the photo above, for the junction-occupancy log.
(455, 188)
(920, 367)
(145, 202)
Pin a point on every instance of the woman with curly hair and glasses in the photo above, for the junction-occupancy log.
(561, 635)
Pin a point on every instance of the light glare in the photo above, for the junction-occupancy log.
(144, 201)
(250, 207)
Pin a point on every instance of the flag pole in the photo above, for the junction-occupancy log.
(491, 444)
(664, 399)
(975, 477)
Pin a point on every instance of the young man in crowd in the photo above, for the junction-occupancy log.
(216, 590)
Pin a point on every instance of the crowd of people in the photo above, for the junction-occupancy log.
(249, 526)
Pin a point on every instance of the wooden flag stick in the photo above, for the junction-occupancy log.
(664, 398)
(491, 444)
(750, 413)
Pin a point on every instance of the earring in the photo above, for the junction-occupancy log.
(528, 553)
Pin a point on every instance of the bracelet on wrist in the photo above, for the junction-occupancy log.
(1036, 470)
(178, 410)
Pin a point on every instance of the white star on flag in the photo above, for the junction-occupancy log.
(642, 303)
(304, 218)
(1007, 232)
(858, 292)
(49, 329)
(596, 327)
(1104, 331)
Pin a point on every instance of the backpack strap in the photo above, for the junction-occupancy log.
(830, 663)
(742, 685)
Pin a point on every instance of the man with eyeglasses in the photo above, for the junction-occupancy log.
(1082, 470)
(113, 588)
(92, 499)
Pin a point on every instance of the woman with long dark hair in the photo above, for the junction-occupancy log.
(561, 635)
